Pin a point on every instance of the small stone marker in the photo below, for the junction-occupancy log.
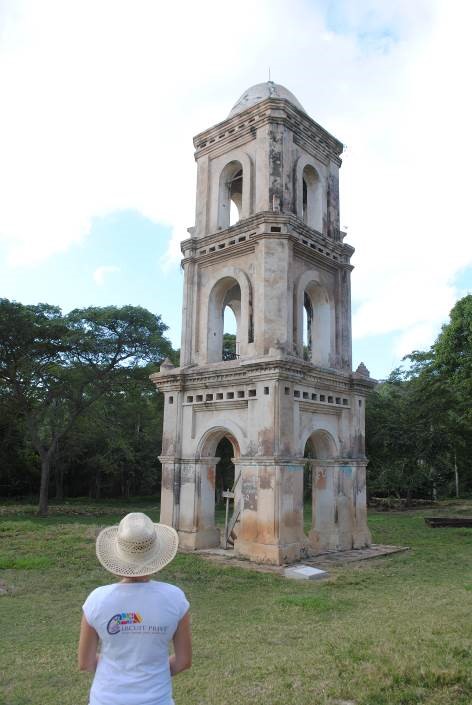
(304, 572)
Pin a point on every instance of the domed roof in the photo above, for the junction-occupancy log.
(261, 91)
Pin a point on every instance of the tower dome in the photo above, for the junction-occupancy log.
(260, 92)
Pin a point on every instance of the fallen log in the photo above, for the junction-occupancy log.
(446, 522)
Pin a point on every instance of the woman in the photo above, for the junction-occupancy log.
(135, 619)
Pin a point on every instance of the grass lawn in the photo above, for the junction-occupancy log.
(395, 630)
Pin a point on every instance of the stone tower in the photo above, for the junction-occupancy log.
(286, 398)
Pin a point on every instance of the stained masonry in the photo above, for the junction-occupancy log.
(287, 396)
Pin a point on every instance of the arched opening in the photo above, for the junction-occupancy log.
(307, 487)
(311, 198)
(230, 199)
(233, 213)
(319, 446)
(224, 476)
(216, 481)
(318, 325)
(227, 493)
(307, 323)
(231, 318)
(230, 330)
(224, 320)
(236, 197)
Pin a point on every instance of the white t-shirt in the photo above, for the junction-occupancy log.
(135, 623)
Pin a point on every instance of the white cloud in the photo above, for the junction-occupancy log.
(101, 272)
(418, 337)
(406, 187)
(100, 101)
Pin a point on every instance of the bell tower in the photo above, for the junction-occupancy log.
(267, 244)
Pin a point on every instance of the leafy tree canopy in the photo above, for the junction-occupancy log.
(54, 366)
(419, 421)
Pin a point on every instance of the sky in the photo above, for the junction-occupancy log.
(100, 99)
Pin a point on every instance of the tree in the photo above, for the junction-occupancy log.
(453, 355)
(56, 367)
(114, 445)
(229, 346)
(419, 422)
(452, 365)
(19, 467)
(408, 436)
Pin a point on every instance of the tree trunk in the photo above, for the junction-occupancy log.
(408, 497)
(59, 477)
(44, 487)
(456, 475)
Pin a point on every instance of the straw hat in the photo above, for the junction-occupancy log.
(136, 547)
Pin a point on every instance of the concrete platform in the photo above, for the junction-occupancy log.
(324, 560)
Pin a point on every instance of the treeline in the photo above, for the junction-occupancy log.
(78, 413)
(80, 417)
(111, 451)
(419, 421)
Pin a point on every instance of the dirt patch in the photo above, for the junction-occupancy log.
(4, 589)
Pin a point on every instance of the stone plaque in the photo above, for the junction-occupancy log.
(304, 572)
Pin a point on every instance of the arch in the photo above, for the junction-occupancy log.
(307, 313)
(320, 445)
(309, 193)
(315, 298)
(233, 289)
(207, 468)
(230, 328)
(224, 469)
(208, 443)
(234, 186)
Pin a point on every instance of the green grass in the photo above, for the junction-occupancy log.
(391, 631)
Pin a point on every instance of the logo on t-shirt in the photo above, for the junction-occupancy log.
(132, 622)
(115, 624)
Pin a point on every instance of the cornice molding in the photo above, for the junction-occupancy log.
(314, 407)
(246, 372)
(260, 226)
(270, 110)
(269, 461)
(223, 405)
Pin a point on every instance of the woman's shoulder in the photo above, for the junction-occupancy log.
(167, 589)
(173, 597)
(164, 587)
(101, 591)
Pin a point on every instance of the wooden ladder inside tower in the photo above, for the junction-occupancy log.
(230, 523)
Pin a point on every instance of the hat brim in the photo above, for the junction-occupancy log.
(167, 542)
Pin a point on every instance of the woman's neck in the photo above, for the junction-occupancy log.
(142, 579)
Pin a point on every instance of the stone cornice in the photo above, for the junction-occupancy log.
(219, 405)
(268, 460)
(245, 372)
(240, 239)
(314, 407)
(311, 148)
(362, 387)
(271, 110)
